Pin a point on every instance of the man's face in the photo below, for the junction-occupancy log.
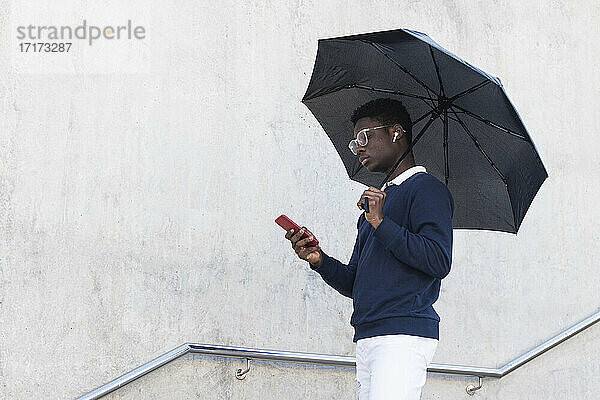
(380, 153)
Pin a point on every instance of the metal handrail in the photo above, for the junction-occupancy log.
(333, 360)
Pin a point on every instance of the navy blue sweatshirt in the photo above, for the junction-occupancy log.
(395, 271)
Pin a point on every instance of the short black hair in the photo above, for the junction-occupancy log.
(387, 111)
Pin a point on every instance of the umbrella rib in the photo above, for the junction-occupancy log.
(432, 106)
(474, 139)
(423, 98)
(437, 70)
(470, 90)
(359, 86)
(490, 123)
(402, 68)
(423, 116)
(452, 118)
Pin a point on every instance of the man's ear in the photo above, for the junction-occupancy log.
(398, 128)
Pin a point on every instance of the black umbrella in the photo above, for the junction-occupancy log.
(466, 131)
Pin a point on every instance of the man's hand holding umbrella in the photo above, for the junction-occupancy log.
(376, 199)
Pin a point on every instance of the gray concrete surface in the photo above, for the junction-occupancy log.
(137, 200)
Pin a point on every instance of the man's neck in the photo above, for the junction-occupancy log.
(407, 163)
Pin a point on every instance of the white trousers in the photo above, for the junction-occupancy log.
(393, 366)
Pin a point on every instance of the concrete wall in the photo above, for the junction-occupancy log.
(139, 183)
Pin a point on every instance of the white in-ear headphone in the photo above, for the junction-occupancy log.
(396, 134)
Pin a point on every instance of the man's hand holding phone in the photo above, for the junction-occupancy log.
(312, 254)
(303, 241)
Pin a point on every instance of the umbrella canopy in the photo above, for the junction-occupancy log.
(466, 131)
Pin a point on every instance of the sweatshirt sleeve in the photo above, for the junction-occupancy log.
(338, 275)
(427, 246)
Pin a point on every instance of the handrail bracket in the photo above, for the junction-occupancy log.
(471, 389)
(241, 373)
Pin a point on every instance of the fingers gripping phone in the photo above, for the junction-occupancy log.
(288, 224)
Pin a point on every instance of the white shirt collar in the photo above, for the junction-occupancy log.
(405, 175)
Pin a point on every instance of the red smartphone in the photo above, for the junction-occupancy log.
(288, 224)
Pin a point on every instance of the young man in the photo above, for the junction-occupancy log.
(402, 252)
